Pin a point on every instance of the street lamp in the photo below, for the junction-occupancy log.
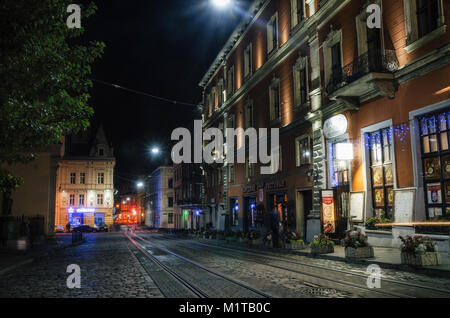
(221, 3)
(155, 150)
(140, 185)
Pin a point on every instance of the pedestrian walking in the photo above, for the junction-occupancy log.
(275, 227)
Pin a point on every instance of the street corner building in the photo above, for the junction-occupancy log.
(85, 181)
(363, 113)
(159, 201)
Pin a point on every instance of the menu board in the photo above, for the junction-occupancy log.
(404, 205)
(328, 212)
(357, 206)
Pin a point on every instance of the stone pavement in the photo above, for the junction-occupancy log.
(108, 270)
(10, 260)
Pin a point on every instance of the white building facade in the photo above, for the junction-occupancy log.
(160, 199)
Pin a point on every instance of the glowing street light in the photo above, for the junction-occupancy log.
(140, 185)
(221, 3)
(155, 150)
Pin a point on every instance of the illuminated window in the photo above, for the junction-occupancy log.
(99, 199)
(435, 151)
(381, 170)
(303, 151)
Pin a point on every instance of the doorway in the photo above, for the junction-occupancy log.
(304, 205)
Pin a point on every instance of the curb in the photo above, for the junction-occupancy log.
(406, 268)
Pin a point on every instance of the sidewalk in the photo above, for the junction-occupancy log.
(384, 257)
(10, 260)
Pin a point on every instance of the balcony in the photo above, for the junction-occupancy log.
(370, 75)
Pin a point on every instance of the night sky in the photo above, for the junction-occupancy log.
(161, 48)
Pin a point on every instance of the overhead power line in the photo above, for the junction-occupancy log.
(171, 101)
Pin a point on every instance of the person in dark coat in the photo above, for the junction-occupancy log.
(275, 227)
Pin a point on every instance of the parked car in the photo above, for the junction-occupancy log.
(59, 229)
(83, 229)
(101, 227)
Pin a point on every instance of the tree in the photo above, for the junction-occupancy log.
(44, 82)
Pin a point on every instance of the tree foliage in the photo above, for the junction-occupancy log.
(44, 82)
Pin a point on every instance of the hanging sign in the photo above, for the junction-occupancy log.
(335, 126)
(328, 212)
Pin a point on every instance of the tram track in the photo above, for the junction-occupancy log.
(391, 288)
(199, 289)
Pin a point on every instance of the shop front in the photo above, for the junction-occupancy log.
(278, 199)
(335, 199)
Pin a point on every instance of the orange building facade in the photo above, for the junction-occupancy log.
(363, 113)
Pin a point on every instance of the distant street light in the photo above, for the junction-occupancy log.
(155, 151)
(221, 3)
(140, 185)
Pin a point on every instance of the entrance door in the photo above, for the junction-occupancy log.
(75, 219)
(250, 210)
(99, 218)
(303, 207)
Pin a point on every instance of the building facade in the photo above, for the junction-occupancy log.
(159, 201)
(188, 194)
(362, 112)
(85, 182)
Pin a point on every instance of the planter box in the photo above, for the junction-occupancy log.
(322, 250)
(360, 252)
(293, 245)
(255, 242)
(427, 259)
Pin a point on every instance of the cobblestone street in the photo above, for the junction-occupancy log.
(144, 264)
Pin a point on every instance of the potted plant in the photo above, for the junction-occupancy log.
(356, 245)
(322, 245)
(254, 237)
(267, 239)
(419, 251)
(293, 241)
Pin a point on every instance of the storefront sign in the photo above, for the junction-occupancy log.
(276, 185)
(344, 151)
(404, 205)
(335, 126)
(250, 189)
(328, 211)
(81, 210)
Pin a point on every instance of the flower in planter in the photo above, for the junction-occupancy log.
(292, 236)
(321, 240)
(355, 239)
(417, 245)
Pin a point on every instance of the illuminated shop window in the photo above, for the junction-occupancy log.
(381, 171)
(434, 129)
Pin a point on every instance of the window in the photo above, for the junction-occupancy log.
(230, 82)
(300, 82)
(72, 199)
(336, 64)
(250, 169)
(272, 34)
(99, 199)
(275, 100)
(220, 93)
(303, 151)
(101, 178)
(170, 202)
(249, 115)
(427, 16)
(248, 61)
(435, 151)
(170, 218)
(81, 200)
(72, 178)
(231, 173)
(170, 182)
(297, 12)
(82, 178)
(101, 152)
(381, 171)
(213, 99)
(425, 21)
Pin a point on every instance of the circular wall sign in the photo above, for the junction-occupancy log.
(335, 126)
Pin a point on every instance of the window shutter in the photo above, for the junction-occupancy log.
(327, 63)
(269, 37)
(294, 10)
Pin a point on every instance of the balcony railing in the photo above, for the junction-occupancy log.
(383, 61)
